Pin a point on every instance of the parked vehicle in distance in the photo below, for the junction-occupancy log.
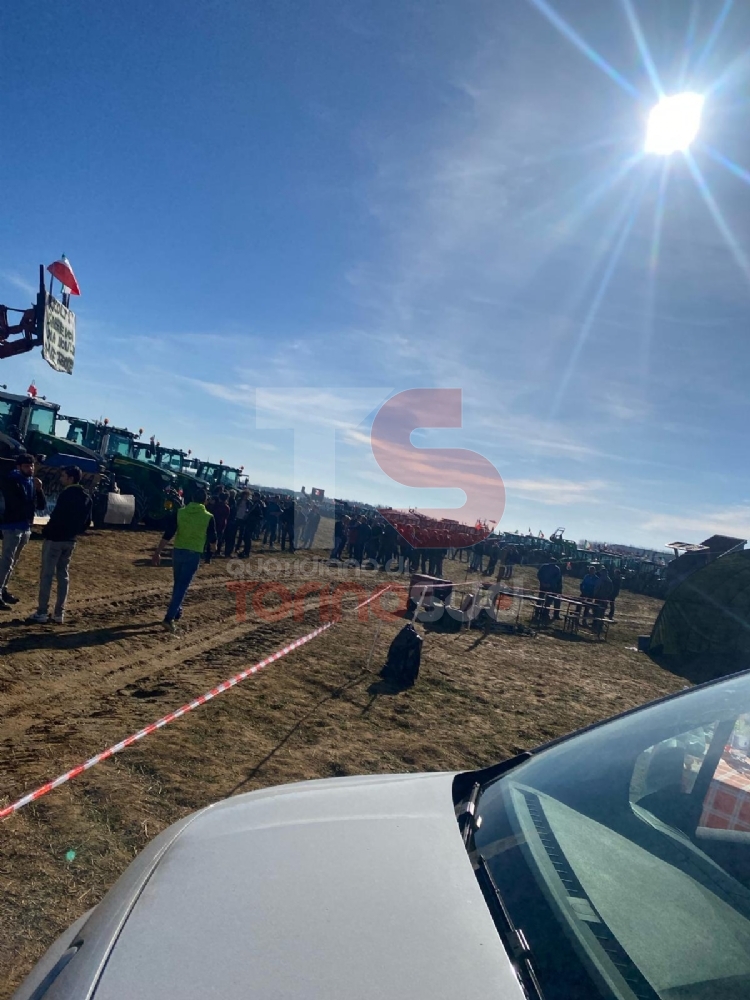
(612, 863)
(215, 473)
(149, 484)
(173, 460)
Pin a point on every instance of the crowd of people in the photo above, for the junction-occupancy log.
(246, 516)
(598, 591)
(367, 535)
(227, 523)
(23, 498)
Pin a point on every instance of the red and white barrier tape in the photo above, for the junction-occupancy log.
(166, 719)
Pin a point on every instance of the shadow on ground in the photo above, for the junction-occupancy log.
(57, 637)
(336, 693)
(702, 667)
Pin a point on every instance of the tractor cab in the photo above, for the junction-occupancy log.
(155, 489)
(118, 442)
(218, 474)
(11, 415)
(30, 424)
(82, 432)
(563, 549)
(173, 460)
(100, 437)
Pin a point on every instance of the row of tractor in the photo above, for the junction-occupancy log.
(131, 481)
(637, 573)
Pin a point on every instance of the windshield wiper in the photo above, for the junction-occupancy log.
(512, 937)
(464, 782)
(467, 788)
(468, 821)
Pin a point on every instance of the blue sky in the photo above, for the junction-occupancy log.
(282, 212)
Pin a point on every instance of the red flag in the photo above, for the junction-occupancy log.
(31, 391)
(62, 270)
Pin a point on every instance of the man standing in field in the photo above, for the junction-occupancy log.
(550, 586)
(602, 596)
(253, 522)
(23, 496)
(194, 532)
(311, 527)
(70, 518)
(588, 588)
(616, 585)
(221, 510)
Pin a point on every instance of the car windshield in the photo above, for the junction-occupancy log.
(623, 853)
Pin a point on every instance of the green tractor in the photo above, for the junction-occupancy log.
(215, 473)
(533, 549)
(28, 424)
(173, 460)
(155, 489)
(563, 549)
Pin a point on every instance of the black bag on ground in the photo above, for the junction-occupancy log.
(404, 655)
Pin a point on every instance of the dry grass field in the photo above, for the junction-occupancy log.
(68, 691)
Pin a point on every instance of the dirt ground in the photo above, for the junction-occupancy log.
(67, 692)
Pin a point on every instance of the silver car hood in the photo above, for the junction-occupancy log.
(348, 888)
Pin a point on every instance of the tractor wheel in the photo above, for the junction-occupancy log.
(141, 504)
(99, 510)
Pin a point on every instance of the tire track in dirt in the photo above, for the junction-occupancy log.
(31, 707)
(55, 739)
(135, 594)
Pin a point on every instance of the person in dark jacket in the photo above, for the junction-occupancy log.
(363, 537)
(339, 537)
(550, 586)
(23, 497)
(616, 584)
(230, 532)
(253, 521)
(71, 517)
(602, 596)
(221, 510)
(286, 526)
(512, 559)
(588, 589)
(311, 528)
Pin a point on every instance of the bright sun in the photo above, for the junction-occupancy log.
(673, 124)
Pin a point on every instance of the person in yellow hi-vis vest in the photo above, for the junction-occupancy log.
(194, 533)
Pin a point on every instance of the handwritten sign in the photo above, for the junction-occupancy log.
(59, 346)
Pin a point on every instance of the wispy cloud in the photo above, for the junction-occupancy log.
(242, 394)
(19, 282)
(559, 492)
(695, 526)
